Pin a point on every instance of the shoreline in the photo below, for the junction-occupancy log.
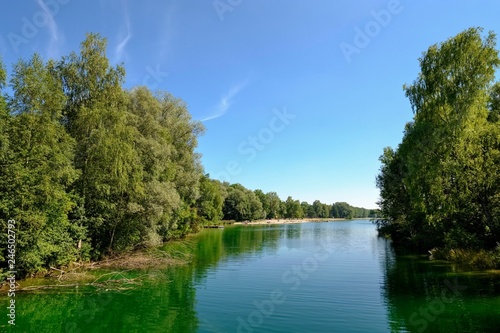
(288, 221)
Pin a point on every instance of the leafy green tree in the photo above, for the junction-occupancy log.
(184, 132)
(320, 209)
(307, 209)
(494, 104)
(235, 205)
(96, 116)
(293, 209)
(185, 167)
(439, 188)
(155, 206)
(37, 176)
(334, 211)
(283, 209)
(210, 202)
(343, 210)
(242, 204)
(264, 201)
(5, 160)
(274, 205)
(256, 210)
(171, 171)
(5, 119)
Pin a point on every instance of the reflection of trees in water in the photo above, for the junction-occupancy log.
(292, 235)
(241, 240)
(156, 306)
(292, 231)
(165, 304)
(425, 296)
(213, 245)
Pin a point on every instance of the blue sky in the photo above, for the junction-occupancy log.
(297, 97)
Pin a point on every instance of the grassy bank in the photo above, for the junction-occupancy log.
(118, 272)
(477, 259)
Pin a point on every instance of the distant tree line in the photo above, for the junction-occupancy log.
(88, 168)
(441, 186)
(241, 204)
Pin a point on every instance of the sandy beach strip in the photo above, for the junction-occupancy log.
(288, 221)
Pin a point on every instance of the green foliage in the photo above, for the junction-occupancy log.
(96, 116)
(320, 210)
(273, 205)
(36, 177)
(345, 211)
(242, 204)
(293, 209)
(264, 202)
(475, 259)
(210, 202)
(307, 209)
(440, 187)
(237, 206)
(5, 154)
(90, 169)
(494, 104)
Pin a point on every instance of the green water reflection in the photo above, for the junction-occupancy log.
(430, 296)
(359, 286)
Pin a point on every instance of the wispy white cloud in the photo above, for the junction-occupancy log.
(226, 101)
(124, 38)
(120, 49)
(51, 23)
(55, 34)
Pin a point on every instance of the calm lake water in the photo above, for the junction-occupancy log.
(310, 277)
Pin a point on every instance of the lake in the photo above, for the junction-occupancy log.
(308, 277)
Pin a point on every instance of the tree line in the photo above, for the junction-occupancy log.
(440, 188)
(88, 168)
(241, 204)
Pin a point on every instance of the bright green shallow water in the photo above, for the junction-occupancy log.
(311, 277)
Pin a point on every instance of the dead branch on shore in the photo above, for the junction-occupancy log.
(115, 281)
(133, 261)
